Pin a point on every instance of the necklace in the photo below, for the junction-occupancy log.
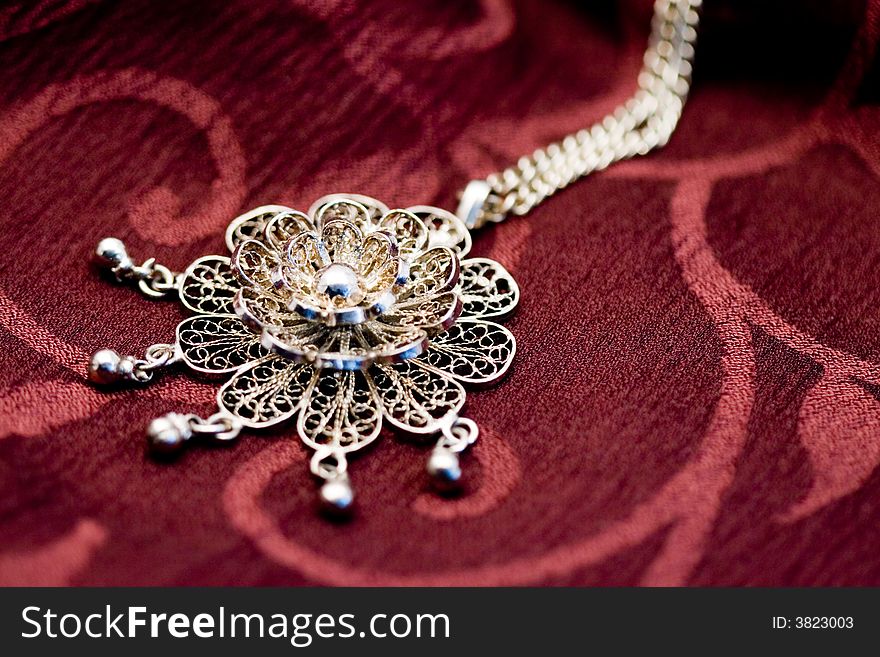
(353, 315)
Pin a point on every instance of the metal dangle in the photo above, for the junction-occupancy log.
(338, 321)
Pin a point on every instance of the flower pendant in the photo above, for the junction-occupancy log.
(338, 321)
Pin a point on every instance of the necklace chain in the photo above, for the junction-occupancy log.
(641, 124)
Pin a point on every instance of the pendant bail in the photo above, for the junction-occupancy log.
(473, 198)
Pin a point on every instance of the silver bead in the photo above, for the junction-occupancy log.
(336, 496)
(111, 254)
(168, 434)
(339, 280)
(125, 369)
(444, 468)
(104, 367)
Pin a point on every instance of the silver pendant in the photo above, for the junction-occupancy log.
(335, 321)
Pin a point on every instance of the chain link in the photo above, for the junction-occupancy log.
(155, 280)
(328, 463)
(219, 427)
(458, 435)
(156, 357)
(641, 124)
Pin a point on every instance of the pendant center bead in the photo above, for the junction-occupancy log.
(340, 283)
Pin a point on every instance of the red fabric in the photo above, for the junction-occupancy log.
(696, 399)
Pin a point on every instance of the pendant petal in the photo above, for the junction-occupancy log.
(472, 351)
(345, 208)
(410, 232)
(487, 289)
(208, 285)
(256, 265)
(344, 348)
(436, 270)
(305, 256)
(379, 266)
(252, 225)
(343, 241)
(342, 412)
(415, 398)
(302, 341)
(444, 229)
(217, 343)
(285, 225)
(259, 309)
(391, 344)
(267, 392)
(436, 311)
(366, 221)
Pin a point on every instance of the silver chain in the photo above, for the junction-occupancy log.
(641, 124)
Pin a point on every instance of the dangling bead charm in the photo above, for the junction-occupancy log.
(444, 468)
(153, 280)
(105, 367)
(168, 434)
(112, 255)
(336, 495)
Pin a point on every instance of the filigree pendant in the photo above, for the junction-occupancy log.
(337, 321)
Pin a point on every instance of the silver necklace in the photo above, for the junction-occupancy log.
(353, 315)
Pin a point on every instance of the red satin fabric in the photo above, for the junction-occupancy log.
(696, 398)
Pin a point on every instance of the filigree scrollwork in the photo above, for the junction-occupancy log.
(375, 210)
(252, 225)
(208, 285)
(417, 399)
(436, 270)
(444, 229)
(256, 265)
(266, 392)
(284, 226)
(474, 352)
(438, 311)
(342, 412)
(487, 289)
(338, 319)
(217, 343)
